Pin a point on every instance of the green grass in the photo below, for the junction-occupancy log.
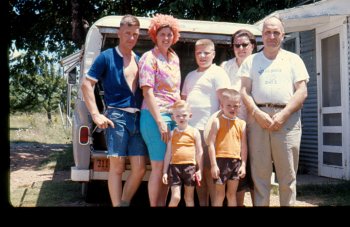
(36, 129)
(337, 194)
(47, 194)
(71, 191)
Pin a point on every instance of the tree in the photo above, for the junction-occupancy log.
(22, 85)
(47, 25)
(51, 89)
(79, 24)
(35, 87)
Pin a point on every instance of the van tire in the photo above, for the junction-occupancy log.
(85, 191)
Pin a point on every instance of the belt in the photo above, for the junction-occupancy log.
(271, 105)
(127, 109)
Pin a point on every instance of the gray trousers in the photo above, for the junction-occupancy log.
(278, 148)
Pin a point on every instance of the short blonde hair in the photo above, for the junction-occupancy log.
(180, 104)
(205, 42)
(229, 93)
(161, 21)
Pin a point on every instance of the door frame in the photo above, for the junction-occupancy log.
(333, 28)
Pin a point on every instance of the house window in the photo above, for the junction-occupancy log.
(332, 158)
(291, 42)
(333, 119)
(332, 139)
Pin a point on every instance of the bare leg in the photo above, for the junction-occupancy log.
(240, 198)
(117, 166)
(203, 191)
(231, 192)
(175, 195)
(220, 195)
(157, 191)
(132, 183)
(163, 194)
(207, 188)
(189, 194)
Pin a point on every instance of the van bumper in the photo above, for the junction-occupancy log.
(79, 174)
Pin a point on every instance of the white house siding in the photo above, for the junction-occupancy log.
(348, 46)
(308, 162)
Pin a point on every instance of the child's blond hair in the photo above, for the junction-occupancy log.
(180, 104)
(229, 93)
(205, 42)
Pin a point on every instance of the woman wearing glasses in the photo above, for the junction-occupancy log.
(243, 44)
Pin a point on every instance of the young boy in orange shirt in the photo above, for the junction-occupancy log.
(228, 149)
(183, 157)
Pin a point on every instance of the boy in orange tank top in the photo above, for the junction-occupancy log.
(183, 157)
(228, 149)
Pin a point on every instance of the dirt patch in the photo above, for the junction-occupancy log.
(27, 169)
(27, 172)
(26, 164)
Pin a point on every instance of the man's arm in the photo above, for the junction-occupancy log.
(263, 119)
(87, 89)
(246, 89)
(294, 104)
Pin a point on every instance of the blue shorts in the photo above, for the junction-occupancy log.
(125, 138)
(151, 135)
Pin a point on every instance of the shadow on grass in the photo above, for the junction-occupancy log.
(61, 191)
(335, 194)
(58, 193)
(33, 155)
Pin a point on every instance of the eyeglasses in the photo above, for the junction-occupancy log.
(244, 45)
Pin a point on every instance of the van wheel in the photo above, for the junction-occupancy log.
(85, 191)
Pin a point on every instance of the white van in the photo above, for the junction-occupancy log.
(89, 147)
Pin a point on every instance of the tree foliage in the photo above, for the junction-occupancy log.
(247, 11)
(51, 89)
(47, 24)
(36, 87)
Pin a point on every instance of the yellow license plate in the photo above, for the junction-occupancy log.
(101, 164)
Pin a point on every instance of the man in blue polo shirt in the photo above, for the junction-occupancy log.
(117, 69)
